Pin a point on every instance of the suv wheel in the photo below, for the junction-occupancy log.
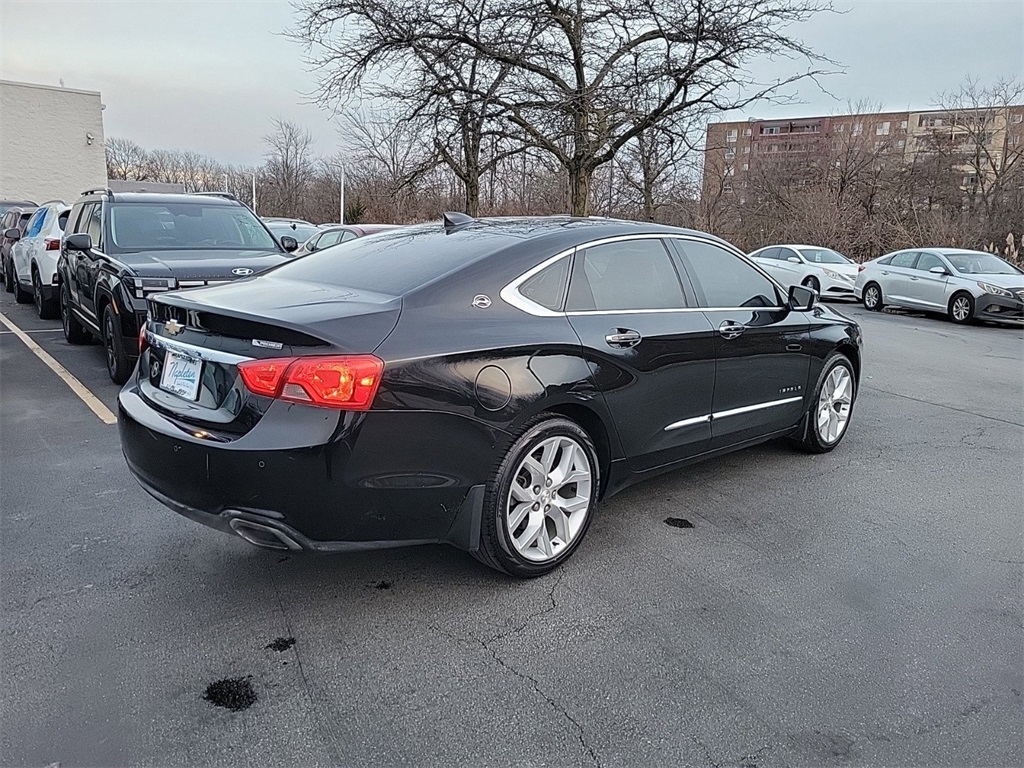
(113, 345)
(74, 331)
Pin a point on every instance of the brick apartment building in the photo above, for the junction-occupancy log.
(735, 150)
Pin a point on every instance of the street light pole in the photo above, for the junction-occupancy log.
(341, 197)
(254, 193)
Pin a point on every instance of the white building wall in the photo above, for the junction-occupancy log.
(45, 152)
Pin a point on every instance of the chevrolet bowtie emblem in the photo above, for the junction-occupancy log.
(173, 327)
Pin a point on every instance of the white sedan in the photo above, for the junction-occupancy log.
(821, 269)
(34, 257)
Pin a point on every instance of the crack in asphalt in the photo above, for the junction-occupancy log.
(942, 405)
(533, 682)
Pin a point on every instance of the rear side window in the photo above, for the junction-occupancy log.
(329, 238)
(905, 259)
(82, 221)
(547, 287)
(94, 225)
(62, 220)
(23, 221)
(771, 253)
(725, 279)
(634, 274)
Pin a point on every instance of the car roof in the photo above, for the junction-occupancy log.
(571, 227)
(159, 197)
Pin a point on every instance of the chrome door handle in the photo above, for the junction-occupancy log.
(623, 338)
(884, 272)
(913, 278)
(731, 330)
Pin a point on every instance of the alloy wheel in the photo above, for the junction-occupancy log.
(871, 297)
(961, 308)
(549, 499)
(834, 403)
(37, 293)
(65, 312)
(108, 344)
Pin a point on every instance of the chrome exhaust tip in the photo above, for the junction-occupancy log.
(264, 536)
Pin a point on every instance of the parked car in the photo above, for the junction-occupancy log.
(341, 233)
(965, 285)
(481, 383)
(34, 257)
(119, 249)
(821, 269)
(12, 227)
(293, 229)
(285, 220)
(6, 205)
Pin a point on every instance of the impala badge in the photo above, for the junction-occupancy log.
(173, 327)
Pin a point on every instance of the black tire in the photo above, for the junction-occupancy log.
(812, 283)
(74, 331)
(873, 297)
(8, 276)
(113, 346)
(961, 308)
(46, 308)
(496, 547)
(20, 294)
(812, 440)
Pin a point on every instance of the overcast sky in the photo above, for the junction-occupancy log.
(209, 75)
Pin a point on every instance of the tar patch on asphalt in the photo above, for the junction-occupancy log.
(382, 585)
(234, 693)
(678, 522)
(282, 644)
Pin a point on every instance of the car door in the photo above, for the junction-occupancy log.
(762, 347)
(925, 288)
(789, 268)
(69, 257)
(651, 349)
(91, 262)
(895, 278)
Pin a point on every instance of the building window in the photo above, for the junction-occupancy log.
(858, 129)
(878, 145)
(929, 121)
(727, 187)
(1018, 118)
(1014, 141)
(730, 136)
(729, 170)
(841, 128)
(903, 125)
(771, 130)
(882, 129)
(747, 131)
(746, 166)
(746, 150)
(970, 180)
(901, 143)
(730, 153)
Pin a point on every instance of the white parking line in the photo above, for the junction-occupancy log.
(87, 397)
(41, 330)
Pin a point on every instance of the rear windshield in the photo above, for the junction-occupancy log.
(393, 262)
(178, 226)
(301, 232)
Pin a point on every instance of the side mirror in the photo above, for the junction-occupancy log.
(289, 243)
(13, 233)
(793, 260)
(939, 271)
(802, 298)
(80, 241)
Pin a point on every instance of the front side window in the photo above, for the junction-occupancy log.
(329, 238)
(724, 279)
(929, 261)
(632, 274)
(905, 259)
(177, 226)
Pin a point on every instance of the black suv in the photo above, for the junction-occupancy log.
(118, 249)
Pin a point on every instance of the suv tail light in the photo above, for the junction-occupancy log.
(348, 382)
(142, 336)
(52, 243)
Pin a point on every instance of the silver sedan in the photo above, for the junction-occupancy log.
(965, 285)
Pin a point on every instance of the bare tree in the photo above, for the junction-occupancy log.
(289, 164)
(126, 160)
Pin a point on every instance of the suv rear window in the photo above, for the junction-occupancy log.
(185, 226)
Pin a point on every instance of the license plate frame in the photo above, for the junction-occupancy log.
(181, 375)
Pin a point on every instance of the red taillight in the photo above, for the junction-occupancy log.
(860, 267)
(348, 382)
(142, 338)
(52, 244)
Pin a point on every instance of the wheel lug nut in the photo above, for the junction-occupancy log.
(547, 507)
(536, 489)
(536, 506)
(548, 483)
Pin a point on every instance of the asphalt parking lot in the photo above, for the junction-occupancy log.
(862, 607)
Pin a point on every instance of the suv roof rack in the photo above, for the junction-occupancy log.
(225, 195)
(98, 190)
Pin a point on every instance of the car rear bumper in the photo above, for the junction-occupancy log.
(372, 480)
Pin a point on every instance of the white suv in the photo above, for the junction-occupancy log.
(34, 257)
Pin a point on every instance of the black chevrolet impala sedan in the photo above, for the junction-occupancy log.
(483, 383)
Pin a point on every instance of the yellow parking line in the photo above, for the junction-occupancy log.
(87, 397)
